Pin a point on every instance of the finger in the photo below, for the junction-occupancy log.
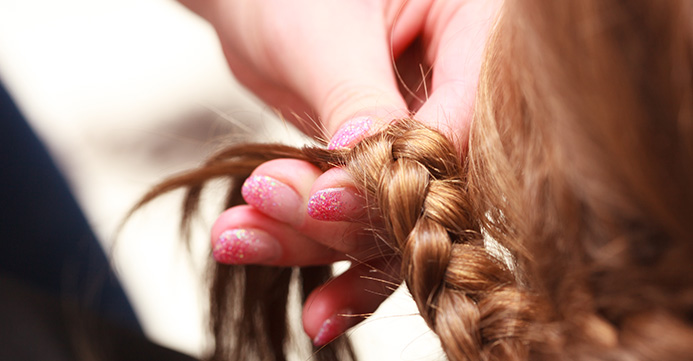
(354, 130)
(243, 235)
(336, 205)
(347, 299)
(335, 56)
(281, 189)
(359, 78)
(456, 35)
(340, 62)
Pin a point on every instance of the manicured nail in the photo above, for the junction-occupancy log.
(243, 246)
(350, 133)
(335, 326)
(272, 198)
(333, 204)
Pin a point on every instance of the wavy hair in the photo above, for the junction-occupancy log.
(580, 166)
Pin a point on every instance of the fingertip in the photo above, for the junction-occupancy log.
(279, 188)
(333, 197)
(350, 132)
(346, 300)
(324, 319)
(335, 204)
(244, 235)
(272, 197)
(246, 246)
(334, 326)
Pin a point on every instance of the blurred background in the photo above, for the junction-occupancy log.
(124, 93)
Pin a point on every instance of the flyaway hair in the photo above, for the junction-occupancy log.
(579, 165)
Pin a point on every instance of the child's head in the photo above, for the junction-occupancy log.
(582, 156)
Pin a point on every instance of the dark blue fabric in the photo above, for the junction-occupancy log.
(45, 239)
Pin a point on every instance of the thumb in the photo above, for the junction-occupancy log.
(356, 110)
(346, 72)
(360, 98)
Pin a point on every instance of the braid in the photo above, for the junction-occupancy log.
(416, 182)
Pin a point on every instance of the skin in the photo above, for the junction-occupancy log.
(331, 61)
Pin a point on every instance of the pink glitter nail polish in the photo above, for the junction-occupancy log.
(259, 191)
(334, 326)
(351, 132)
(272, 198)
(243, 246)
(326, 205)
(334, 204)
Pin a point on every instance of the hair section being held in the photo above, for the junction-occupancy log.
(248, 304)
(415, 184)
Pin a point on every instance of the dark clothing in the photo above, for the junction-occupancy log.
(57, 289)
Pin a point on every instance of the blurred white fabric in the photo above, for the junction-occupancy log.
(113, 88)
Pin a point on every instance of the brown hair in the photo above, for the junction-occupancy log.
(580, 166)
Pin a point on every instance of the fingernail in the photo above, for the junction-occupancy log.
(350, 133)
(272, 198)
(333, 204)
(243, 246)
(334, 326)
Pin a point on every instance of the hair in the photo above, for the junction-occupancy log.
(579, 165)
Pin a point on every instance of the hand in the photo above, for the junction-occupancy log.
(284, 225)
(333, 61)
